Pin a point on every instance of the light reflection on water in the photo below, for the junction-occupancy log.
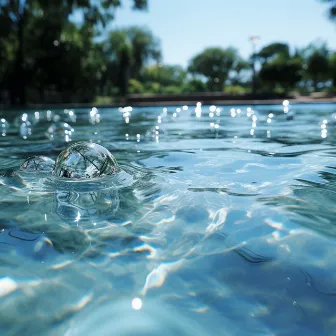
(221, 223)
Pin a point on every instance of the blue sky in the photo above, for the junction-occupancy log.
(185, 27)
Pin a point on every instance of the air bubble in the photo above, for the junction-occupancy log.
(85, 160)
(38, 163)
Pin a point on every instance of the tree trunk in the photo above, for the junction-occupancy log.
(19, 87)
(125, 68)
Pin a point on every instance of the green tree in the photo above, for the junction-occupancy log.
(16, 16)
(70, 60)
(273, 50)
(128, 51)
(145, 48)
(194, 86)
(333, 68)
(135, 86)
(281, 73)
(315, 58)
(166, 75)
(7, 51)
(318, 68)
(215, 65)
(279, 69)
(172, 89)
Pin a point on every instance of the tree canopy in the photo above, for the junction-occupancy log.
(127, 52)
(214, 64)
(274, 50)
(66, 51)
(34, 34)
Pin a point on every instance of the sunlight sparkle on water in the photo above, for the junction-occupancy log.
(136, 303)
(250, 112)
(49, 115)
(212, 108)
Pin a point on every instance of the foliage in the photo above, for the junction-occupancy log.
(285, 74)
(316, 63)
(172, 89)
(235, 90)
(153, 87)
(273, 50)
(134, 86)
(127, 51)
(333, 68)
(103, 100)
(31, 30)
(318, 68)
(215, 65)
(279, 69)
(194, 85)
(166, 75)
(60, 51)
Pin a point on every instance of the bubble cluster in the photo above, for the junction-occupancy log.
(70, 116)
(94, 116)
(156, 132)
(4, 125)
(85, 160)
(25, 129)
(25, 125)
(59, 131)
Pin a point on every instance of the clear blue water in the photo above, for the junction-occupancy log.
(222, 222)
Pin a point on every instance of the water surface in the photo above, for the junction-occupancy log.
(222, 222)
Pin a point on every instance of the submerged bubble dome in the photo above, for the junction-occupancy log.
(38, 163)
(83, 160)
